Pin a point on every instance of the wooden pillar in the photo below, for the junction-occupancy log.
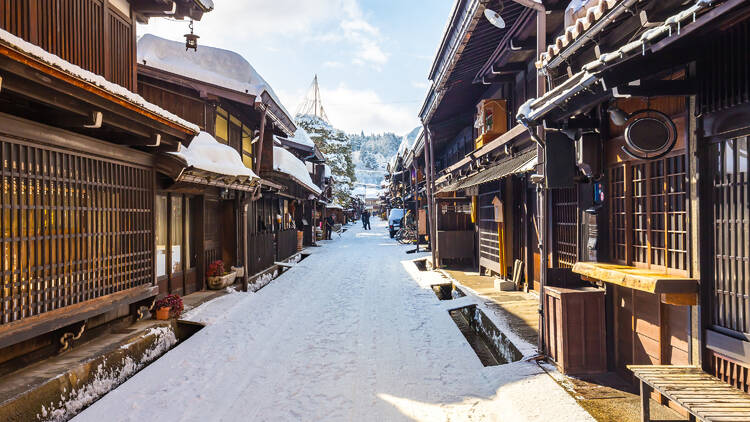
(645, 402)
(245, 252)
(430, 214)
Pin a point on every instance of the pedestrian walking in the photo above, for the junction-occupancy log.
(329, 226)
(366, 220)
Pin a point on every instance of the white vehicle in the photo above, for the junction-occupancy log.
(394, 220)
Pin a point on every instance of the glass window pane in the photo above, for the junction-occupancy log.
(176, 235)
(222, 131)
(160, 208)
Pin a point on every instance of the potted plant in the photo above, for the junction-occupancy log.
(169, 306)
(217, 277)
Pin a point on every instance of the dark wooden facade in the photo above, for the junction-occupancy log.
(78, 250)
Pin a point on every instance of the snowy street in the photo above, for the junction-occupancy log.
(352, 333)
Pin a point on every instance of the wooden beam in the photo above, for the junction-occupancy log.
(260, 144)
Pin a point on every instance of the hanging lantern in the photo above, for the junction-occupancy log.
(191, 40)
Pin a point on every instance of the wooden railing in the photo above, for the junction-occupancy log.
(287, 244)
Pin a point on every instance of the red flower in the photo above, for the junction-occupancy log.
(173, 302)
(215, 269)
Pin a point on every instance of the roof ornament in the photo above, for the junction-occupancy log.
(191, 40)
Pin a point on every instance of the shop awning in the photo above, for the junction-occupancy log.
(521, 163)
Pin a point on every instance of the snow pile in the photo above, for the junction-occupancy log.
(302, 137)
(260, 282)
(206, 153)
(79, 73)
(285, 162)
(211, 65)
(106, 380)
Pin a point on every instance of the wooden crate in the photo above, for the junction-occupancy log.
(574, 334)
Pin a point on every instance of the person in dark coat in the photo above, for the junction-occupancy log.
(329, 226)
(366, 220)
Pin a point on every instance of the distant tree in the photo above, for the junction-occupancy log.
(337, 148)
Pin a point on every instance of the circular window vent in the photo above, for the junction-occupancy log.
(649, 135)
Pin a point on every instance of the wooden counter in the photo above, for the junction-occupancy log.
(676, 290)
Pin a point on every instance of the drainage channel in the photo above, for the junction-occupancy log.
(447, 291)
(491, 346)
(60, 387)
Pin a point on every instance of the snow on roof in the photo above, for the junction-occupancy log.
(211, 65)
(90, 77)
(300, 137)
(285, 162)
(206, 153)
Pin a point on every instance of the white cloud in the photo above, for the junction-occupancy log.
(355, 110)
(271, 24)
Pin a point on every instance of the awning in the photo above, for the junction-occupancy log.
(521, 163)
(586, 87)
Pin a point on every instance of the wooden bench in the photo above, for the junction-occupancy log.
(704, 397)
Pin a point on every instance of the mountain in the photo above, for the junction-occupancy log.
(371, 153)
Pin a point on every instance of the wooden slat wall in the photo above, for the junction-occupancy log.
(287, 244)
(79, 31)
(489, 243)
(725, 70)
(565, 223)
(730, 371)
(731, 242)
(74, 228)
(190, 109)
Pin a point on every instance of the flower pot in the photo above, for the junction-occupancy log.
(220, 282)
(239, 271)
(162, 314)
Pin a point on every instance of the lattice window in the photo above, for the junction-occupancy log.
(648, 214)
(618, 212)
(565, 220)
(731, 305)
(73, 227)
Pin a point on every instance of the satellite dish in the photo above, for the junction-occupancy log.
(494, 18)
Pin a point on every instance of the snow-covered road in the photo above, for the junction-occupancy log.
(352, 333)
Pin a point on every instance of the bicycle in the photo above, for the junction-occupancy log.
(406, 235)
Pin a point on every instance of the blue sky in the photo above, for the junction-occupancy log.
(371, 56)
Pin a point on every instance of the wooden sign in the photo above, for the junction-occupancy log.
(499, 214)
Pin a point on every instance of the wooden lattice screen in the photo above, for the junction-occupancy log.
(565, 221)
(74, 228)
(648, 214)
(489, 242)
(731, 241)
(84, 32)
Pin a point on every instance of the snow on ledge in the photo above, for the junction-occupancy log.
(206, 153)
(285, 162)
(90, 77)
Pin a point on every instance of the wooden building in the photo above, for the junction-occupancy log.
(478, 160)
(645, 137)
(241, 222)
(78, 150)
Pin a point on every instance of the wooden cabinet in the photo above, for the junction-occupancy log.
(492, 120)
(574, 333)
